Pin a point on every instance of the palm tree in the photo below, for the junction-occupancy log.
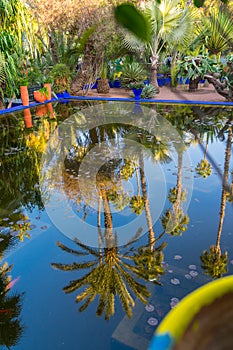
(214, 262)
(216, 30)
(11, 328)
(108, 274)
(174, 221)
(203, 168)
(107, 278)
(166, 23)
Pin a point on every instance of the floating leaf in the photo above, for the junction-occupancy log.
(153, 321)
(193, 273)
(192, 267)
(175, 281)
(149, 308)
(177, 257)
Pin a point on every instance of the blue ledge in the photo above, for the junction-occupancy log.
(33, 104)
(191, 102)
(125, 99)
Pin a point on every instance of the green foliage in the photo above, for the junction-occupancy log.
(137, 204)
(11, 328)
(23, 80)
(128, 169)
(204, 168)
(214, 263)
(175, 223)
(62, 77)
(136, 85)
(44, 91)
(196, 67)
(150, 263)
(132, 73)
(132, 19)
(108, 276)
(216, 31)
(60, 70)
(172, 196)
(148, 91)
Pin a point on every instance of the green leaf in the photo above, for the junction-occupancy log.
(199, 3)
(133, 20)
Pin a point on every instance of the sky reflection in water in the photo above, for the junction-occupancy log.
(156, 224)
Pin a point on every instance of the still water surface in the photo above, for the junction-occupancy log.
(110, 214)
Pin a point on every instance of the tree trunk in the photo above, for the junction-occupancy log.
(193, 84)
(154, 70)
(103, 86)
(224, 187)
(146, 204)
(221, 88)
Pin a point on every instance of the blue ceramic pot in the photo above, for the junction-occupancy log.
(137, 93)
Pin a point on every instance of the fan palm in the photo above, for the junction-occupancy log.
(167, 23)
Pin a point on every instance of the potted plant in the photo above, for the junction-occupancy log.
(41, 95)
(47, 81)
(102, 84)
(132, 73)
(61, 79)
(195, 69)
(34, 77)
(137, 88)
(23, 86)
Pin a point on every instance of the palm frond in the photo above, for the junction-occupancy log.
(69, 250)
(74, 266)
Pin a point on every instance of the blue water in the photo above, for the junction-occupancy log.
(55, 189)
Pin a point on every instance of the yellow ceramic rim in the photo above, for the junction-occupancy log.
(175, 323)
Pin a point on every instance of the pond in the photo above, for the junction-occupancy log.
(110, 213)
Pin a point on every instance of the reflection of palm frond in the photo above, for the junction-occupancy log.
(68, 250)
(214, 263)
(107, 278)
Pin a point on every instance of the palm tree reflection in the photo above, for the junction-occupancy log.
(214, 262)
(174, 221)
(11, 328)
(114, 271)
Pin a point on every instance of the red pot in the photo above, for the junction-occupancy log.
(39, 97)
(24, 95)
(27, 118)
(41, 111)
(48, 86)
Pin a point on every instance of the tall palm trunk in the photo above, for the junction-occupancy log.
(177, 203)
(146, 203)
(154, 70)
(109, 238)
(224, 188)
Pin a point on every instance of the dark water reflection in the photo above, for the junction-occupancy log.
(120, 216)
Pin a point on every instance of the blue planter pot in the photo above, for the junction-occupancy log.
(116, 84)
(160, 82)
(137, 93)
(64, 94)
